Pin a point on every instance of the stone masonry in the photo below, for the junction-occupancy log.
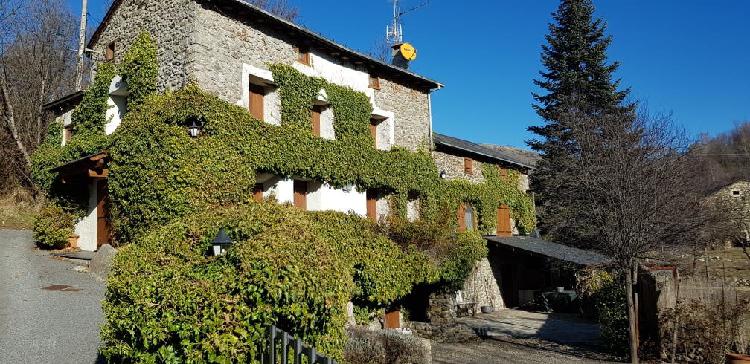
(453, 165)
(202, 43)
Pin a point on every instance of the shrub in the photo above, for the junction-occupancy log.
(53, 226)
(603, 296)
(385, 347)
(705, 330)
(167, 301)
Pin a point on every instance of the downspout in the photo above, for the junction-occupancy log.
(429, 110)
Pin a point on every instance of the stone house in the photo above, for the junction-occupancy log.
(225, 47)
(733, 201)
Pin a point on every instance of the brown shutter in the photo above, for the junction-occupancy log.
(503, 221)
(462, 218)
(103, 227)
(316, 111)
(374, 83)
(468, 166)
(300, 194)
(256, 101)
(374, 131)
(303, 56)
(393, 319)
(372, 205)
(258, 192)
(503, 172)
(109, 55)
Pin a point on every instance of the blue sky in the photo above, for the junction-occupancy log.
(688, 57)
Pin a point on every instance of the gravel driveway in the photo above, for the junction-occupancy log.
(489, 351)
(49, 313)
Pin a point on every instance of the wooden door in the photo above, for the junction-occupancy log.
(256, 101)
(393, 319)
(504, 227)
(372, 206)
(103, 226)
(258, 192)
(316, 111)
(461, 218)
(300, 194)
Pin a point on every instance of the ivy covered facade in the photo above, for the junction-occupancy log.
(187, 128)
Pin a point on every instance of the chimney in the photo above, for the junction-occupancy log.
(403, 53)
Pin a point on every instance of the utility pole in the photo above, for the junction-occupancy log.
(81, 45)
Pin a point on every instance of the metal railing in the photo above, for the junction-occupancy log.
(280, 344)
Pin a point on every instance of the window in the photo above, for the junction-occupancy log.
(468, 166)
(257, 94)
(67, 134)
(466, 218)
(316, 112)
(504, 227)
(303, 56)
(258, 192)
(372, 205)
(736, 193)
(374, 130)
(503, 172)
(109, 54)
(300, 195)
(374, 82)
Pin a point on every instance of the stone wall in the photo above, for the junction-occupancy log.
(482, 287)
(412, 111)
(170, 22)
(453, 165)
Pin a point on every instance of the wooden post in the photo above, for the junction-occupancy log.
(632, 315)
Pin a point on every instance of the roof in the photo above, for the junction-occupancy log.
(251, 13)
(552, 250)
(477, 149)
(67, 100)
(522, 155)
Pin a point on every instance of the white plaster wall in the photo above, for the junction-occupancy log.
(382, 208)
(281, 189)
(412, 210)
(326, 124)
(86, 228)
(323, 197)
(116, 108)
(337, 74)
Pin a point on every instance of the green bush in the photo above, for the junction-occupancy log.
(167, 301)
(53, 226)
(612, 308)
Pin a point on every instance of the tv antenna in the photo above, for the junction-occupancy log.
(394, 33)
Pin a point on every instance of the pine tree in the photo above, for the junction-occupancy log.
(578, 81)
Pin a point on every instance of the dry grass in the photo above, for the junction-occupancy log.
(17, 210)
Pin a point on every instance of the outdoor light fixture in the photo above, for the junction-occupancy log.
(222, 242)
(195, 125)
(443, 174)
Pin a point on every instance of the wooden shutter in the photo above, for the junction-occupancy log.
(109, 54)
(374, 83)
(372, 205)
(461, 218)
(374, 131)
(258, 192)
(393, 319)
(468, 165)
(103, 227)
(300, 194)
(503, 172)
(504, 227)
(303, 56)
(316, 111)
(256, 101)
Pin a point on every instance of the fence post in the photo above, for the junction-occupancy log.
(313, 356)
(272, 346)
(285, 350)
(298, 351)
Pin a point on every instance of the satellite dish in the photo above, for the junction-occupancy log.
(408, 52)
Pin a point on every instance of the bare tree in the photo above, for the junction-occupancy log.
(37, 63)
(636, 191)
(280, 8)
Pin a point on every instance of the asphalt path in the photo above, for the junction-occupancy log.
(49, 313)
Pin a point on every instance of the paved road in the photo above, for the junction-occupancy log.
(49, 313)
